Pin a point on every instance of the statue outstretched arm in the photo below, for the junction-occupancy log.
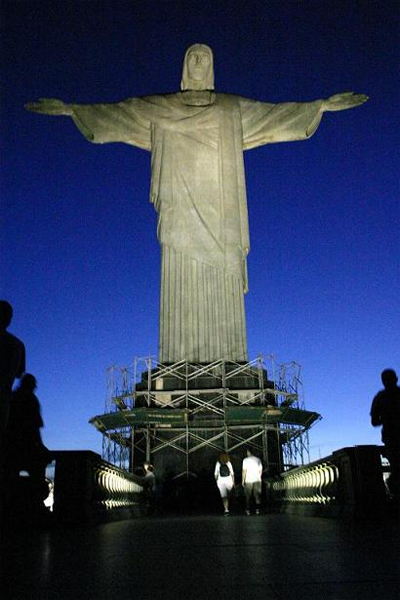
(265, 123)
(50, 106)
(344, 101)
(104, 122)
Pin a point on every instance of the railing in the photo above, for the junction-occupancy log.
(87, 488)
(349, 482)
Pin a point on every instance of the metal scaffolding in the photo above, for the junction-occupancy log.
(187, 413)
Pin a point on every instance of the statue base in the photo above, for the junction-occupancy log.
(181, 417)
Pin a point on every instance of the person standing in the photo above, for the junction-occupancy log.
(24, 449)
(12, 366)
(385, 411)
(12, 362)
(150, 487)
(225, 478)
(251, 480)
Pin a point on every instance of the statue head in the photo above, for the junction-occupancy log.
(198, 68)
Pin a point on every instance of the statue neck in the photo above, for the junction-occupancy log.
(198, 97)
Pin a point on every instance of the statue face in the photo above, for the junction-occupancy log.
(198, 64)
(198, 68)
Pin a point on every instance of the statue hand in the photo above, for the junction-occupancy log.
(49, 106)
(344, 101)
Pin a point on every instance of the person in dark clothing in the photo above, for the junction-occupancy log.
(24, 449)
(150, 488)
(12, 362)
(12, 366)
(385, 412)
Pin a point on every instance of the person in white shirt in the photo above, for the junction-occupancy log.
(225, 478)
(251, 480)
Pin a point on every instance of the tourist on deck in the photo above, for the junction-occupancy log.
(150, 488)
(251, 480)
(24, 449)
(12, 362)
(225, 478)
(385, 411)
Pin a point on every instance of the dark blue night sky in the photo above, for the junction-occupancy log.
(79, 256)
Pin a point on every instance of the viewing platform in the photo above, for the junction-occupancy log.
(327, 530)
(266, 557)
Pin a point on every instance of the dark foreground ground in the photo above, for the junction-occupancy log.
(236, 557)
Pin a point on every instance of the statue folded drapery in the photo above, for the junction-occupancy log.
(197, 138)
(198, 189)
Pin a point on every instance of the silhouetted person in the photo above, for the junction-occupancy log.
(24, 449)
(385, 411)
(12, 362)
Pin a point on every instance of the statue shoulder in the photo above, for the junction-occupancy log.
(242, 102)
(231, 99)
(161, 99)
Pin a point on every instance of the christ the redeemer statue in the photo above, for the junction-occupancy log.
(196, 138)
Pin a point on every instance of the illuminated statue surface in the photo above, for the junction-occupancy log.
(196, 138)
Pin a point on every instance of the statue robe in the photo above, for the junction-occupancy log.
(198, 190)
